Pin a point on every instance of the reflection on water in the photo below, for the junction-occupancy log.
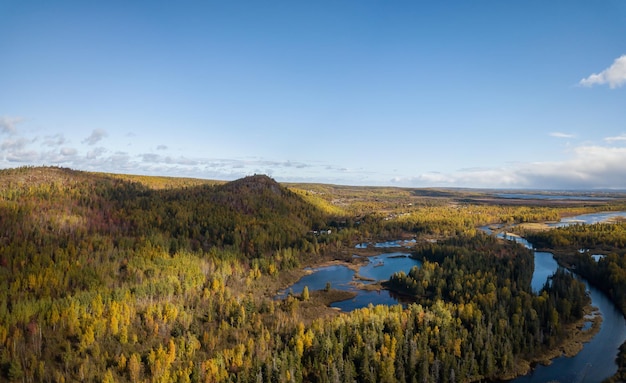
(364, 298)
(337, 275)
(597, 257)
(545, 267)
(596, 361)
(388, 244)
(379, 268)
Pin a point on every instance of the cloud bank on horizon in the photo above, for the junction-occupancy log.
(588, 166)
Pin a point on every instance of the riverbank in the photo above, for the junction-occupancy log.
(598, 364)
(571, 345)
(577, 336)
(569, 342)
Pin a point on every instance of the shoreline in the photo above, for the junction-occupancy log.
(575, 334)
(570, 346)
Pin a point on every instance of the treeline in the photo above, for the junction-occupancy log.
(599, 236)
(449, 220)
(489, 283)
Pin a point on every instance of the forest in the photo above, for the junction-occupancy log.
(492, 280)
(112, 278)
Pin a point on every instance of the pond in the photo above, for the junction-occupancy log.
(378, 268)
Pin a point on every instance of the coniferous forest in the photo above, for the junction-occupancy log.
(147, 279)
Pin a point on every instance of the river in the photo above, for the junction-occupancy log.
(596, 361)
(593, 364)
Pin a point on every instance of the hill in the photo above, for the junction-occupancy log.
(254, 215)
(109, 278)
(87, 258)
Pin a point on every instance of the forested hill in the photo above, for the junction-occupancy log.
(108, 278)
(97, 267)
(253, 216)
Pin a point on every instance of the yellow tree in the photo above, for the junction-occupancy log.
(134, 367)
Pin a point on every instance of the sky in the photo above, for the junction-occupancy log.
(484, 94)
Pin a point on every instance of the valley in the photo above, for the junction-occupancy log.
(110, 277)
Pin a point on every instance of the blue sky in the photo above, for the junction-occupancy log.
(505, 94)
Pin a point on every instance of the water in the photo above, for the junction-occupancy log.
(388, 244)
(589, 219)
(379, 267)
(339, 277)
(364, 298)
(545, 264)
(596, 361)
(552, 197)
(545, 267)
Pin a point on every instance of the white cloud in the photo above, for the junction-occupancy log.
(95, 153)
(614, 76)
(478, 177)
(561, 135)
(54, 140)
(96, 136)
(621, 137)
(181, 161)
(64, 155)
(7, 124)
(68, 152)
(589, 167)
(14, 144)
(118, 161)
(162, 147)
(23, 156)
(150, 157)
